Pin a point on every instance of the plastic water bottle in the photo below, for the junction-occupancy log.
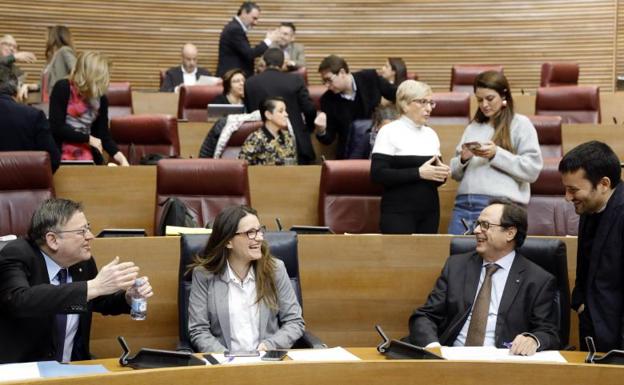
(138, 307)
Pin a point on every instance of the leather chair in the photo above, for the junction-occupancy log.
(139, 135)
(550, 254)
(548, 134)
(206, 186)
(548, 211)
(283, 245)
(463, 75)
(559, 74)
(25, 182)
(451, 108)
(575, 104)
(194, 100)
(349, 202)
(303, 72)
(316, 91)
(234, 144)
(119, 99)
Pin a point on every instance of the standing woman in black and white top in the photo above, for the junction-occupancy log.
(406, 161)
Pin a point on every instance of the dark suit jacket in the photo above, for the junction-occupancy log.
(28, 304)
(601, 288)
(341, 112)
(24, 128)
(174, 77)
(235, 51)
(291, 87)
(527, 305)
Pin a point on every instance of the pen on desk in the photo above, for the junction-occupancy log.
(508, 345)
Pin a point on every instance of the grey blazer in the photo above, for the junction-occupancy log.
(209, 316)
(60, 66)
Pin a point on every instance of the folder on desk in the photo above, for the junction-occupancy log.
(400, 350)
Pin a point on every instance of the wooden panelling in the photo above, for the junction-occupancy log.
(145, 36)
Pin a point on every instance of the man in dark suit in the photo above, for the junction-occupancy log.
(290, 86)
(234, 48)
(23, 128)
(591, 175)
(188, 73)
(349, 96)
(49, 285)
(492, 296)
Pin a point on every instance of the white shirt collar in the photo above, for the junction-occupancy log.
(410, 123)
(354, 88)
(505, 262)
(52, 267)
(188, 73)
(241, 23)
(232, 277)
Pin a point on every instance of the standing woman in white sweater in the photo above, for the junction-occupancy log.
(497, 156)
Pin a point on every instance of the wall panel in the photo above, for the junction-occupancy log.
(144, 36)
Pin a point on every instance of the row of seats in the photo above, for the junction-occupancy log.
(348, 200)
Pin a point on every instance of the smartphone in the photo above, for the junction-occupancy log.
(246, 353)
(274, 355)
(211, 359)
(472, 145)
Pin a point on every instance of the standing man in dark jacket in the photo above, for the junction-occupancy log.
(234, 48)
(349, 96)
(591, 175)
(23, 128)
(290, 86)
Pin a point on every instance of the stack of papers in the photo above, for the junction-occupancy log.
(178, 230)
(491, 353)
(332, 354)
(30, 370)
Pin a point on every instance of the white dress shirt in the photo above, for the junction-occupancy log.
(190, 78)
(499, 278)
(244, 311)
(72, 319)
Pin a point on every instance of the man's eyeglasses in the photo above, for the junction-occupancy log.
(253, 233)
(423, 102)
(485, 225)
(81, 231)
(329, 80)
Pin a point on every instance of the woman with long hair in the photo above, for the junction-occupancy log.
(497, 156)
(394, 70)
(60, 56)
(241, 297)
(79, 112)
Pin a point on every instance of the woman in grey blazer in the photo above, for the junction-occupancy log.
(241, 297)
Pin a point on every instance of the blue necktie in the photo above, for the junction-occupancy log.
(61, 321)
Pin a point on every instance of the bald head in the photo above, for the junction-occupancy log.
(8, 45)
(189, 57)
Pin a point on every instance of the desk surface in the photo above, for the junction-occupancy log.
(373, 369)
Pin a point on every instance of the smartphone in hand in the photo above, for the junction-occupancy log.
(472, 145)
(274, 355)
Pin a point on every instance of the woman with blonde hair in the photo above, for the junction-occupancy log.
(407, 161)
(60, 57)
(498, 155)
(241, 297)
(79, 112)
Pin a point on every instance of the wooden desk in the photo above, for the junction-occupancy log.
(373, 369)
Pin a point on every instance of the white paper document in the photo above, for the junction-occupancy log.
(16, 372)
(491, 353)
(332, 354)
(223, 360)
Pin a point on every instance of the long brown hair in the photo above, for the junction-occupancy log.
(496, 81)
(58, 36)
(214, 256)
(400, 70)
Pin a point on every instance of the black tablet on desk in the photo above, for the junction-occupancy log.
(116, 233)
(219, 110)
(311, 229)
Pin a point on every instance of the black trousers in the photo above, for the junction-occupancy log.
(410, 222)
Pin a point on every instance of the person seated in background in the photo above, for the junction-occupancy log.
(294, 54)
(241, 298)
(349, 96)
(8, 56)
(60, 57)
(23, 128)
(382, 116)
(406, 162)
(49, 285)
(394, 70)
(188, 73)
(473, 302)
(272, 144)
(79, 112)
(233, 88)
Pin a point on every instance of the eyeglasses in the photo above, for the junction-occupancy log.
(423, 102)
(253, 233)
(10, 45)
(328, 80)
(485, 225)
(81, 231)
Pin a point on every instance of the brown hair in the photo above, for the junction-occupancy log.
(214, 256)
(58, 36)
(227, 79)
(400, 70)
(496, 81)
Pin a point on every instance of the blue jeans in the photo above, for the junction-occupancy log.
(467, 207)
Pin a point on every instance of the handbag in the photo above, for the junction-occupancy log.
(399, 350)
